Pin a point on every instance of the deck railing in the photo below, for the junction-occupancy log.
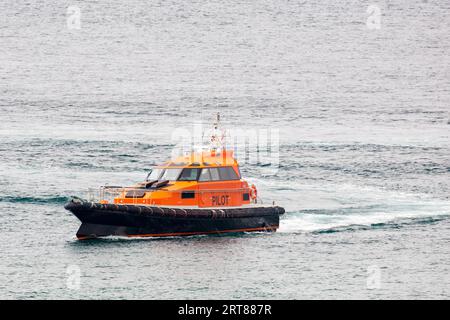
(109, 193)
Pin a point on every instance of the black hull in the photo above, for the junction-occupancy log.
(101, 220)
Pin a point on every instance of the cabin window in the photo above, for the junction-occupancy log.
(189, 174)
(214, 174)
(228, 173)
(171, 174)
(205, 175)
(209, 174)
(155, 174)
(245, 197)
(188, 195)
(218, 174)
(135, 194)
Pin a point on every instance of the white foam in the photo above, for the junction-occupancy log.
(311, 207)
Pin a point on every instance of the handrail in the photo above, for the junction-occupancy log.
(116, 191)
(175, 191)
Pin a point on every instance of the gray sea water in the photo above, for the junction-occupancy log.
(362, 109)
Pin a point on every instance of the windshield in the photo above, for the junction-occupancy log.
(189, 174)
(155, 174)
(171, 174)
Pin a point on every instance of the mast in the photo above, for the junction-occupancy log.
(217, 140)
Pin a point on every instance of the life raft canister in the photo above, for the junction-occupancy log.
(253, 193)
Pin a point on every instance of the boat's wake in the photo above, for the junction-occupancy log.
(330, 208)
(333, 221)
(43, 200)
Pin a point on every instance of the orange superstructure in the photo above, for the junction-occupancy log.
(201, 179)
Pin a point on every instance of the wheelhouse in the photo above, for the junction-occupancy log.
(203, 180)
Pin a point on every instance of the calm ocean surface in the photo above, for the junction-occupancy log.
(364, 150)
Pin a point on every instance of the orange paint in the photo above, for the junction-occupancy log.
(221, 193)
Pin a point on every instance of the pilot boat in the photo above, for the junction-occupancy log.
(199, 193)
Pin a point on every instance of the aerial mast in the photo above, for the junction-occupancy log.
(218, 135)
